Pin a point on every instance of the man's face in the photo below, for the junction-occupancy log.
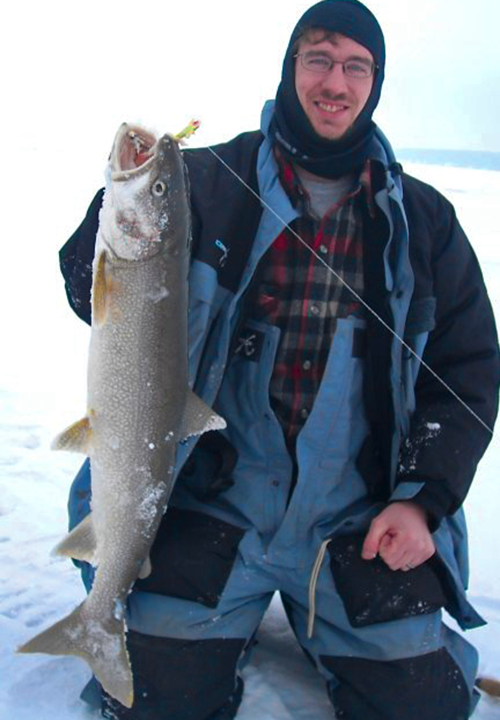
(332, 100)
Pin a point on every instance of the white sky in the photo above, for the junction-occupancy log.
(72, 72)
(75, 70)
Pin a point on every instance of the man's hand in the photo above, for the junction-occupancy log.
(399, 534)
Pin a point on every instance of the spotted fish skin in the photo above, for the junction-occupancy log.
(139, 402)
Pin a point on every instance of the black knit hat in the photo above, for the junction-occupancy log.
(291, 127)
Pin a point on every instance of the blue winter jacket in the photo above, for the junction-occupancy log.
(383, 427)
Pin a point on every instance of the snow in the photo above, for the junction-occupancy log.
(42, 389)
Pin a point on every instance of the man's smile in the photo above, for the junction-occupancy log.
(330, 107)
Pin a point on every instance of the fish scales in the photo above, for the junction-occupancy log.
(139, 401)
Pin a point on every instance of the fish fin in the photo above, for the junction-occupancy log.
(100, 292)
(199, 418)
(80, 543)
(146, 568)
(76, 438)
(101, 644)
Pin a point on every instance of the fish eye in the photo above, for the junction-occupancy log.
(158, 189)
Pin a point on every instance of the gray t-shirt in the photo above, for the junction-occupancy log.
(323, 192)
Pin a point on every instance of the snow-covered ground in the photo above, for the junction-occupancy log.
(42, 389)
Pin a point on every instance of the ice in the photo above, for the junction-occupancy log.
(156, 295)
(148, 509)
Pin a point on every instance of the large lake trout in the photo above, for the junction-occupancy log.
(139, 402)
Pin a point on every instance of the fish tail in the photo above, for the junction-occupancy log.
(101, 645)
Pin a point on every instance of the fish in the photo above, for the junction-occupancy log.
(139, 403)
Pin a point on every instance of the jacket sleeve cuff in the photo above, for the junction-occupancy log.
(432, 498)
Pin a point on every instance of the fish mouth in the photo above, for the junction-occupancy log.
(133, 152)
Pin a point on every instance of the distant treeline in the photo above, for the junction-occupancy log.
(455, 158)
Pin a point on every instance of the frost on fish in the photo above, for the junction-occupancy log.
(114, 442)
(101, 645)
(140, 403)
(148, 508)
(158, 294)
(119, 610)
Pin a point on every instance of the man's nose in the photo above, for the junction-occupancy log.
(335, 80)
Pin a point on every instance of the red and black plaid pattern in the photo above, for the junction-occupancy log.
(298, 294)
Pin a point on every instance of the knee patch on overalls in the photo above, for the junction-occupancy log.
(429, 686)
(180, 679)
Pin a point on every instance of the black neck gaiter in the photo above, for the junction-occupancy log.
(290, 127)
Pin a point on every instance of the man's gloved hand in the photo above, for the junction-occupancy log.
(400, 535)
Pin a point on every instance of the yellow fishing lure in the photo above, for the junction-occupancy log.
(189, 130)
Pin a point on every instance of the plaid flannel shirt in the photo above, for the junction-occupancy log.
(300, 296)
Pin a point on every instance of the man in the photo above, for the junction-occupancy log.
(340, 478)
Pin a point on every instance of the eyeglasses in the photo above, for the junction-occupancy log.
(319, 63)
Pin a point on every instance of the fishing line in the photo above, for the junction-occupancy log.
(356, 295)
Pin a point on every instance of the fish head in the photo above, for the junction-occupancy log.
(146, 203)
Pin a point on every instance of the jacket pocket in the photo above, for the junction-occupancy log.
(373, 593)
(192, 557)
(208, 471)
